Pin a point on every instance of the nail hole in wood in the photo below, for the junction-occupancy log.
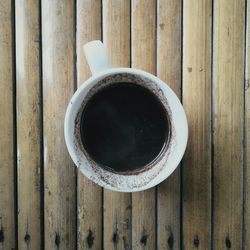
(129, 207)
(171, 241)
(144, 239)
(1, 235)
(228, 243)
(57, 239)
(90, 239)
(196, 241)
(115, 238)
(27, 238)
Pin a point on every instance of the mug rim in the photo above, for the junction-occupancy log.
(83, 163)
(135, 80)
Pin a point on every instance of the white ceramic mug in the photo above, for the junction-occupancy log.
(103, 73)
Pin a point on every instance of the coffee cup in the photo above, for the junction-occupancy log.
(125, 129)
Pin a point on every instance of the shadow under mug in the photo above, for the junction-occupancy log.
(103, 76)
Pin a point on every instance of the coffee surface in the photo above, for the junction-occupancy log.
(124, 127)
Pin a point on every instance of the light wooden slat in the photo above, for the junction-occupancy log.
(247, 132)
(58, 82)
(89, 234)
(7, 231)
(89, 27)
(228, 79)
(143, 57)
(116, 31)
(197, 23)
(169, 43)
(117, 206)
(169, 70)
(28, 122)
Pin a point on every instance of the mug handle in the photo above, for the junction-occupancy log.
(96, 56)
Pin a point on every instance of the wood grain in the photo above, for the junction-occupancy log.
(7, 224)
(116, 31)
(197, 35)
(247, 133)
(214, 214)
(228, 80)
(169, 70)
(89, 195)
(143, 57)
(28, 122)
(58, 82)
(117, 206)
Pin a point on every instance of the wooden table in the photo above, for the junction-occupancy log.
(200, 48)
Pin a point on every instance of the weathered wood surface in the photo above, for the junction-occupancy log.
(169, 28)
(199, 49)
(228, 97)
(117, 206)
(7, 157)
(246, 236)
(197, 104)
(28, 122)
(58, 85)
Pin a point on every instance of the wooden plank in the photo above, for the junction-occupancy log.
(228, 79)
(28, 122)
(7, 231)
(197, 34)
(89, 195)
(247, 133)
(58, 81)
(143, 57)
(117, 206)
(169, 70)
(116, 31)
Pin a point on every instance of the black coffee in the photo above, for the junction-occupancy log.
(124, 127)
